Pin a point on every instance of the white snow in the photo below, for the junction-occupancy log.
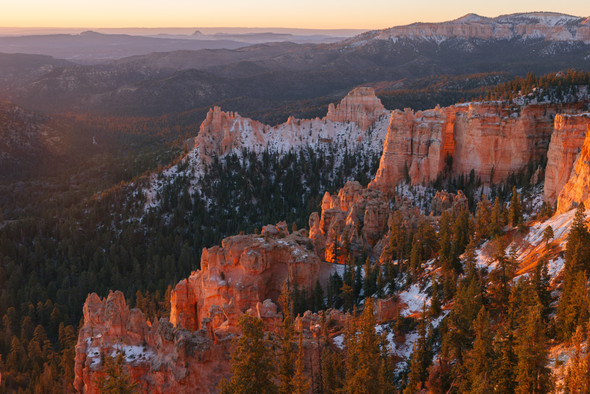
(555, 266)
(339, 341)
(414, 299)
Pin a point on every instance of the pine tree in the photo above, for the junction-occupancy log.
(286, 360)
(299, 383)
(501, 278)
(421, 358)
(435, 303)
(252, 361)
(460, 334)
(541, 282)
(480, 359)
(363, 354)
(577, 378)
(577, 250)
(332, 371)
(548, 235)
(496, 219)
(482, 218)
(532, 374)
(116, 379)
(572, 310)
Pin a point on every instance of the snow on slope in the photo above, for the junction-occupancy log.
(223, 133)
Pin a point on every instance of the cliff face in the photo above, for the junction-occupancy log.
(490, 138)
(244, 271)
(161, 358)
(566, 142)
(355, 218)
(222, 132)
(577, 188)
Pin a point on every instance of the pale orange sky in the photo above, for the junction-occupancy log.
(323, 14)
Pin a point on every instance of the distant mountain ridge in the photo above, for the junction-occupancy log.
(547, 26)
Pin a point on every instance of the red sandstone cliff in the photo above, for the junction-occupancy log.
(486, 137)
(245, 270)
(566, 142)
(577, 188)
(161, 358)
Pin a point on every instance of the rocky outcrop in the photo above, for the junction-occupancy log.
(350, 121)
(415, 146)
(354, 219)
(244, 271)
(445, 201)
(492, 139)
(566, 142)
(159, 357)
(577, 188)
(360, 106)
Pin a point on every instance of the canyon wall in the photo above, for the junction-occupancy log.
(494, 139)
(566, 143)
(577, 188)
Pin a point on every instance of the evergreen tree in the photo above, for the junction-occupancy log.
(332, 371)
(286, 369)
(480, 359)
(299, 383)
(577, 377)
(482, 218)
(252, 361)
(459, 333)
(533, 375)
(496, 219)
(116, 379)
(548, 235)
(420, 360)
(541, 282)
(363, 355)
(572, 310)
(435, 303)
(501, 277)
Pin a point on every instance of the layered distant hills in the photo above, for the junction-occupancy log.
(273, 74)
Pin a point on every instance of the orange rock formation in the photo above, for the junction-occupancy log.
(490, 138)
(355, 218)
(161, 358)
(577, 188)
(245, 270)
(360, 106)
(566, 142)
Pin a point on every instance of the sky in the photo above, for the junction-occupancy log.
(314, 14)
